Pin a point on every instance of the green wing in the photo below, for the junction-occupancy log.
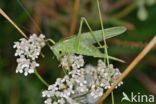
(87, 38)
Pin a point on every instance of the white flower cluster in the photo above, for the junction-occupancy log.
(28, 50)
(83, 84)
(73, 61)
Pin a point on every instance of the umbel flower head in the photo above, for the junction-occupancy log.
(73, 61)
(28, 51)
(82, 84)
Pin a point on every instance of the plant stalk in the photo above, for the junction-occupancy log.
(41, 79)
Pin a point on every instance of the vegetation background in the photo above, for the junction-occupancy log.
(59, 19)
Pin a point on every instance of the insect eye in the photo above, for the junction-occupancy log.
(60, 52)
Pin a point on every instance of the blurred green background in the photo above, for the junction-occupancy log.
(59, 19)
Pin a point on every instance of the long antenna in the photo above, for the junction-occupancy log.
(29, 15)
(13, 23)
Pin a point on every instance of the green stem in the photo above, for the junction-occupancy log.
(50, 40)
(103, 32)
(112, 94)
(41, 79)
(105, 48)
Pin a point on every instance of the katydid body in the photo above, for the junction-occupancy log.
(86, 41)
